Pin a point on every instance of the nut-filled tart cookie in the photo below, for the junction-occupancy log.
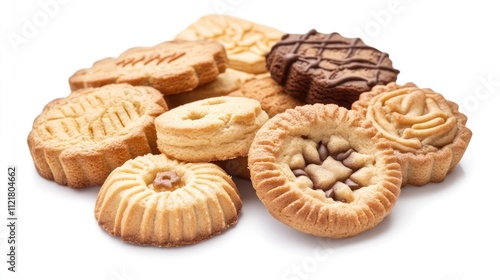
(324, 170)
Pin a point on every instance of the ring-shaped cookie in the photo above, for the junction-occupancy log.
(158, 201)
(212, 129)
(324, 170)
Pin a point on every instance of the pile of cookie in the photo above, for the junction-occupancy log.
(316, 121)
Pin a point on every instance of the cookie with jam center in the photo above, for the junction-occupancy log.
(158, 201)
(328, 68)
(324, 170)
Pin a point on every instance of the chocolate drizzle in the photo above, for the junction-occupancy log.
(333, 41)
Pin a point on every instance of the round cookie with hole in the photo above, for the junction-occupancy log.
(212, 129)
(324, 170)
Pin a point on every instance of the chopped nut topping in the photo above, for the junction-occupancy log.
(335, 167)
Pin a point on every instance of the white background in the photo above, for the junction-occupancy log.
(446, 231)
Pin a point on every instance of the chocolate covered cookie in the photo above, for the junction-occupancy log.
(328, 68)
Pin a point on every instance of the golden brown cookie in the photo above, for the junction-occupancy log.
(324, 170)
(246, 42)
(171, 67)
(427, 132)
(78, 140)
(225, 83)
(158, 201)
(237, 167)
(270, 95)
(212, 129)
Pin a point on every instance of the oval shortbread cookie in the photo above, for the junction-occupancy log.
(170, 67)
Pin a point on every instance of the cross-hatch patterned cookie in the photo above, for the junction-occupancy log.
(92, 117)
(170, 67)
(323, 53)
(245, 42)
(78, 140)
(328, 68)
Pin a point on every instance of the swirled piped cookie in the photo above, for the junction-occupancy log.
(245, 42)
(158, 201)
(427, 132)
(78, 140)
(324, 170)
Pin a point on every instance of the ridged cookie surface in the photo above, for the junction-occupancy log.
(78, 140)
(158, 201)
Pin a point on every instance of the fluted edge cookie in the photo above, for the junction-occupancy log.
(324, 170)
(428, 133)
(170, 67)
(78, 140)
(157, 201)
